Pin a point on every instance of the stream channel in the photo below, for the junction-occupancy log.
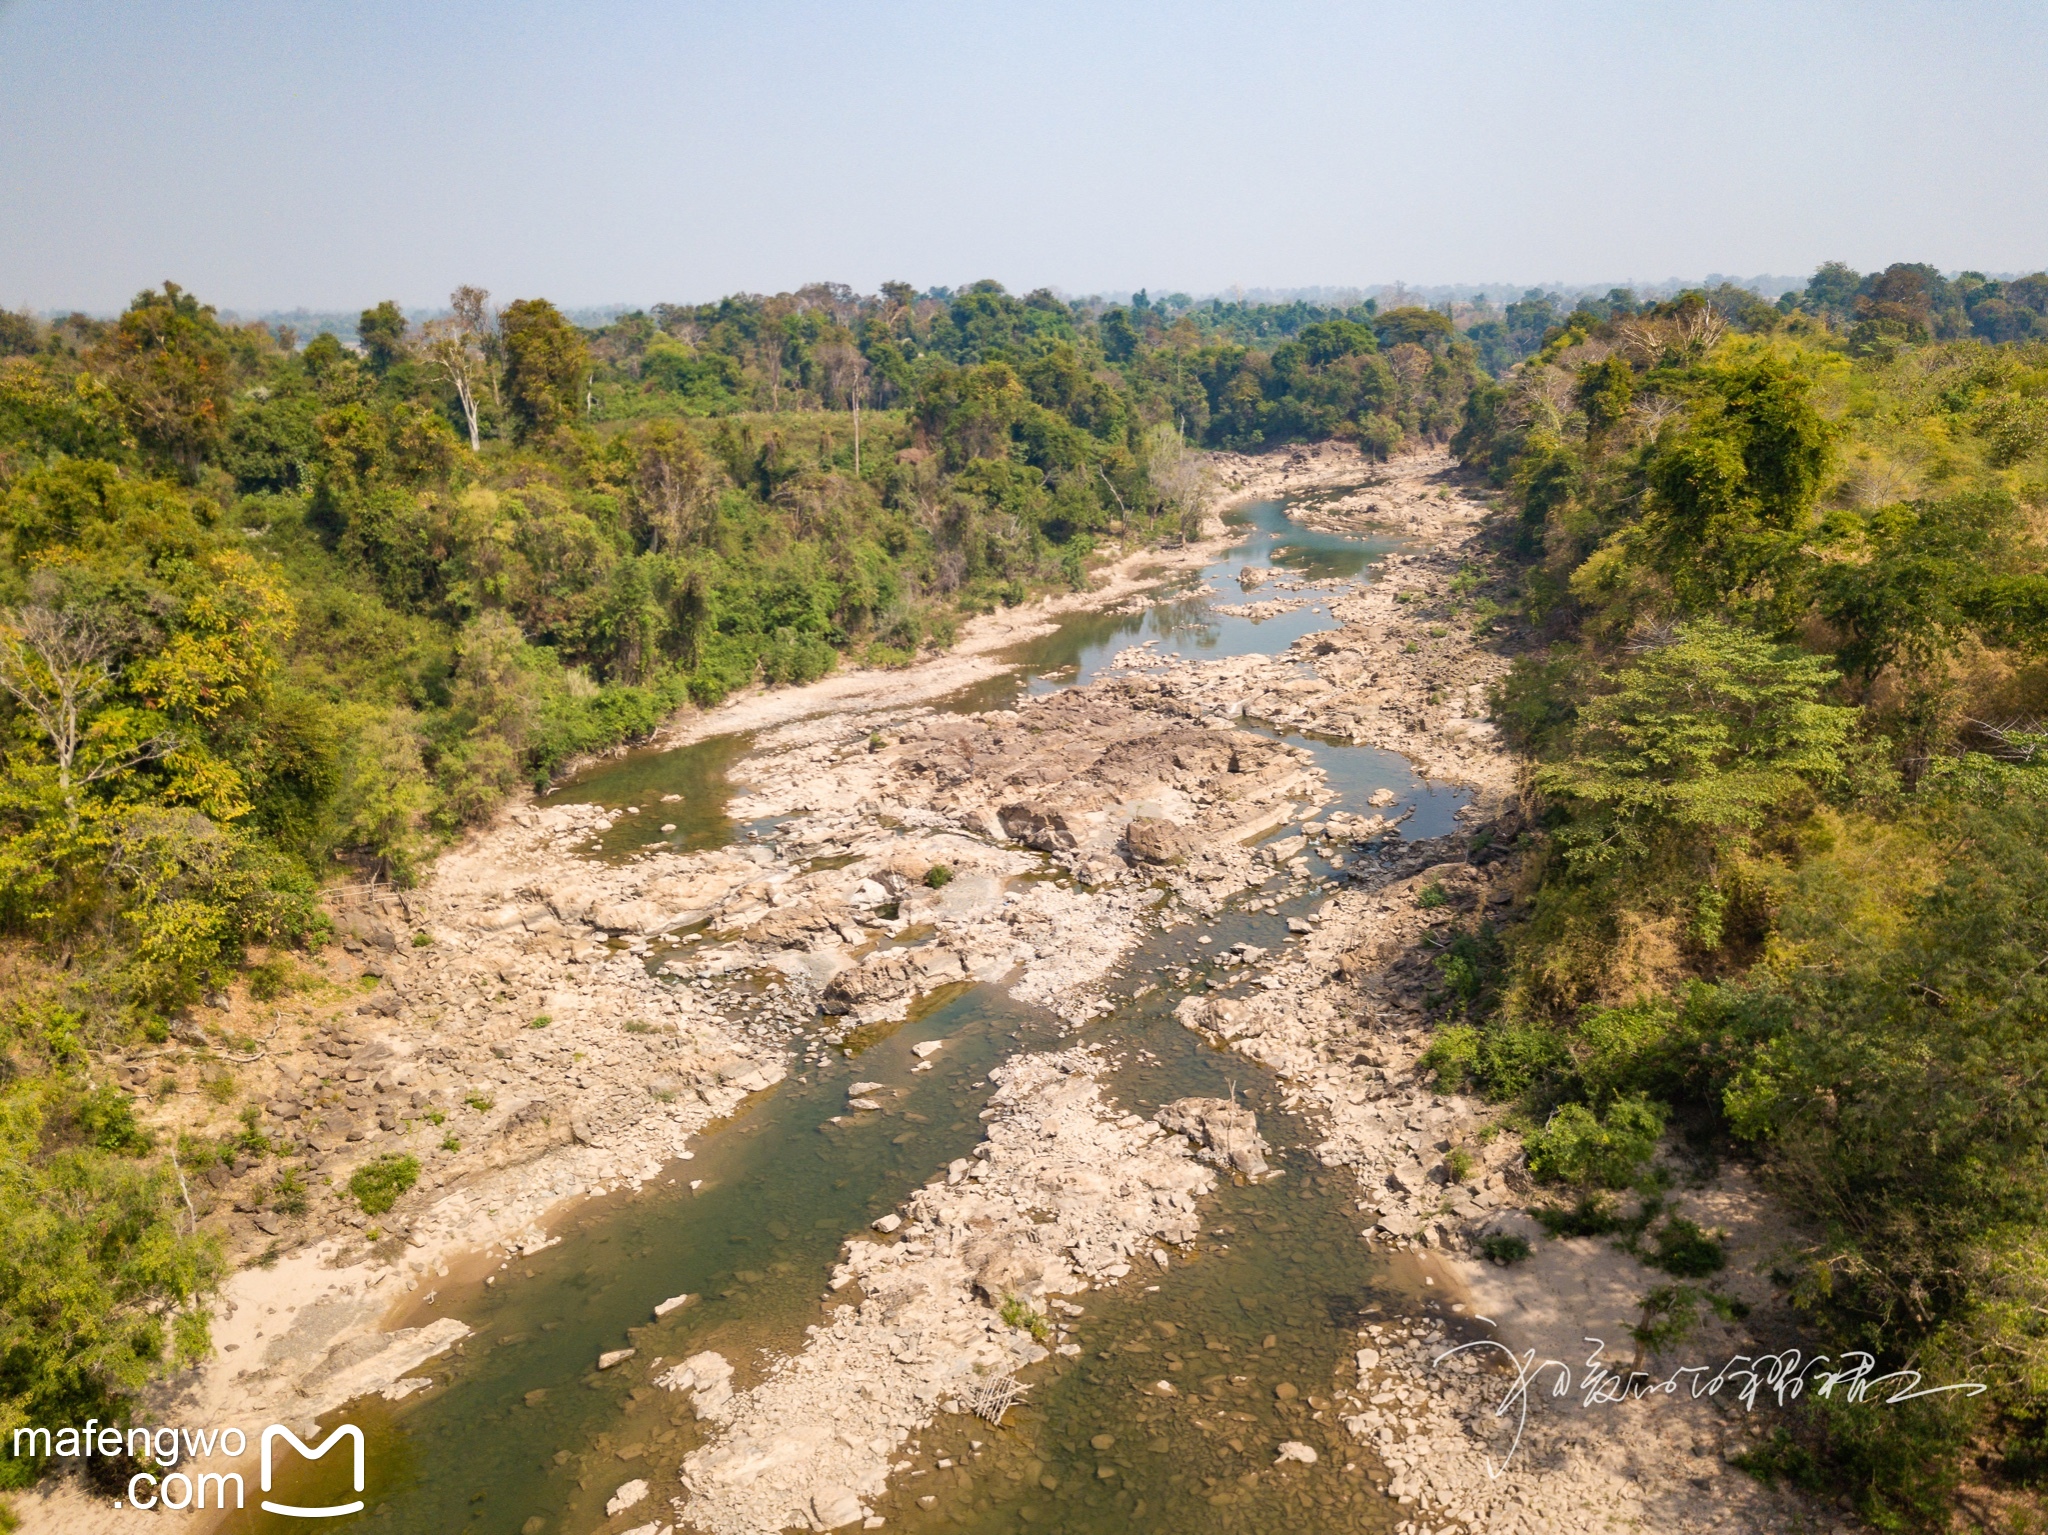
(521, 1435)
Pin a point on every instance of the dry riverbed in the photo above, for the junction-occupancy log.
(504, 1026)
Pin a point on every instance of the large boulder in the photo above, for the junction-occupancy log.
(892, 973)
(1043, 826)
(1157, 841)
(1225, 1133)
(1003, 1264)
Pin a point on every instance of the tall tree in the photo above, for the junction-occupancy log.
(847, 372)
(545, 365)
(479, 322)
(458, 357)
(167, 363)
(382, 333)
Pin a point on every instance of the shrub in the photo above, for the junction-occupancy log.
(1684, 1250)
(1592, 1150)
(378, 1184)
(288, 1193)
(1458, 1163)
(1504, 1248)
(938, 876)
(1018, 1312)
(1592, 1216)
(107, 1121)
(1502, 1061)
(274, 978)
(1432, 897)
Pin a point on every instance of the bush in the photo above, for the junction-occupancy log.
(1502, 1061)
(1687, 1252)
(938, 876)
(1019, 1313)
(1591, 1150)
(378, 1184)
(106, 1120)
(1503, 1247)
(275, 977)
(1899, 1463)
(288, 1193)
(1592, 1216)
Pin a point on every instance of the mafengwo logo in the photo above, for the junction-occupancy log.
(177, 1491)
(278, 1431)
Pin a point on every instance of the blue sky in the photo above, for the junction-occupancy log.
(271, 155)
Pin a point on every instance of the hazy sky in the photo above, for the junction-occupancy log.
(329, 154)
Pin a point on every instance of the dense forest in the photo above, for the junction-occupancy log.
(275, 615)
(279, 614)
(1784, 575)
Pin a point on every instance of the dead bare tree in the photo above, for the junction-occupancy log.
(473, 312)
(1180, 477)
(458, 357)
(847, 372)
(672, 486)
(54, 665)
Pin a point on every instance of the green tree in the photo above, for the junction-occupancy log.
(1705, 737)
(101, 1285)
(1735, 485)
(382, 332)
(1605, 390)
(167, 365)
(546, 364)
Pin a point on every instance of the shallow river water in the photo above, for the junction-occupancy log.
(523, 1434)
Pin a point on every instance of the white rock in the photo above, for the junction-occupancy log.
(616, 1356)
(625, 1497)
(1294, 1449)
(888, 1223)
(834, 1507)
(665, 1307)
(927, 1047)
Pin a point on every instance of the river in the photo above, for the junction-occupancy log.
(524, 1435)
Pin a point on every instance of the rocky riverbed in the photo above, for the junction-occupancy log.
(537, 1024)
(963, 1289)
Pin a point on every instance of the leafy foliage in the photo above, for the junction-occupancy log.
(1789, 818)
(378, 1182)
